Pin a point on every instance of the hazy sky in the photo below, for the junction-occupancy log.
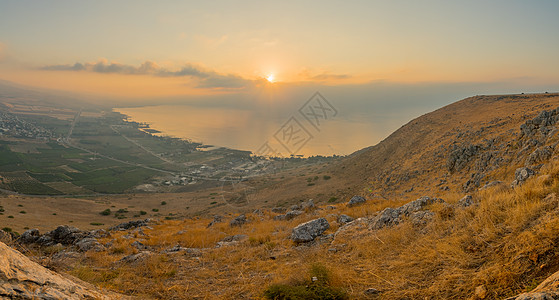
(384, 61)
(150, 48)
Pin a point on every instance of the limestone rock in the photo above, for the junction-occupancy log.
(310, 230)
(356, 200)
(521, 175)
(238, 221)
(344, 219)
(23, 279)
(465, 201)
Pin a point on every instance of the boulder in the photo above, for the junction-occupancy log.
(465, 201)
(356, 200)
(521, 175)
(29, 236)
(310, 230)
(388, 217)
(89, 243)
(418, 204)
(539, 155)
(24, 279)
(238, 221)
(217, 219)
(292, 214)
(393, 216)
(66, 235)
(307, 205)
(344, 219)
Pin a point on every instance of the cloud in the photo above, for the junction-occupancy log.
(75, 67)
(324, 76)
(207, 79)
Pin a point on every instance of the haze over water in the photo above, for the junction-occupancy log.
(250, 129)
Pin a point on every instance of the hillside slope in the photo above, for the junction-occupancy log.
(476, 138)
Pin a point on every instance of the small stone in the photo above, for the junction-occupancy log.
(465, 201)
(371, 292)
(480, 292)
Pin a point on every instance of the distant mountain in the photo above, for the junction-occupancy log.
(13, 92)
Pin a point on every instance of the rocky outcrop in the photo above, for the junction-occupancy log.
(393, 216)
(344, 219)
(65, 235)
(310, 230)
(460, 156)
(541, 124)
(521, 175)
(238, 221)
(289, 215)
(20, 278)
(539, 155)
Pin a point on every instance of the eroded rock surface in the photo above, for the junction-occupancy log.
(21, 278)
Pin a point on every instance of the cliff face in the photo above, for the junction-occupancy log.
(20, 278)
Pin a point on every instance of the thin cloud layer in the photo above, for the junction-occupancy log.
(207, 79)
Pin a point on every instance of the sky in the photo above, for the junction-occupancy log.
(381, 57)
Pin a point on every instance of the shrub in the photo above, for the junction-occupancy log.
(23, 212)
(326, 177)
(318, 286)
(96, 224)
(7, 229)
(10, 217)
(163, 203)
(332, 199)
(155, 210)
(142, 212)
(106, 212)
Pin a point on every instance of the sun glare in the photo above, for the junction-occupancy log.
(271, 78)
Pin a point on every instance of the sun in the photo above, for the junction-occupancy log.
(271, 78)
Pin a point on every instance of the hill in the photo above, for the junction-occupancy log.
(458, 203)
(452, 150)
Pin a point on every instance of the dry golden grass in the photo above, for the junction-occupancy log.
(506, 242)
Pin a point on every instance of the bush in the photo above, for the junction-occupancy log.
(155, 210)
(106, 212)
(317, 287)
(326, 177)
(142, 212)
(163, 203)
(332, 199)
(96, 224)
(7, 229)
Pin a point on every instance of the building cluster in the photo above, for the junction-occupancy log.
(12, 125)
